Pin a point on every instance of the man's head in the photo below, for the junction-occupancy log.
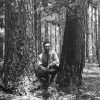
(46, 45)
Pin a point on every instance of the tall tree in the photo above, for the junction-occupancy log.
(19, 40)
(72, 58)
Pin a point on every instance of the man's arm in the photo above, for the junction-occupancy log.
(39, 62)
(56, 60)
(40, 66)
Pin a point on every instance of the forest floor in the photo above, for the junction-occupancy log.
(89, 91)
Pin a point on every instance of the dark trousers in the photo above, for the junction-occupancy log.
(47, 77)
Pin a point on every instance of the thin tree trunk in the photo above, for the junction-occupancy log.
(35, 27)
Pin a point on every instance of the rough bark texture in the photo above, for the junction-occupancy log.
(72, 58)
(17, 42)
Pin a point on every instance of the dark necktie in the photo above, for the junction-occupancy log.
(45, 59)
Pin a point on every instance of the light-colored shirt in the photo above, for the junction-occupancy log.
(52, 59)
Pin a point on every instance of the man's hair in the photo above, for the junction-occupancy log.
(46, 40)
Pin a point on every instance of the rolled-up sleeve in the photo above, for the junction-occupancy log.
(55, 59)
(39, 60)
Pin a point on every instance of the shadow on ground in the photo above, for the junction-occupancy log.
(89, 91)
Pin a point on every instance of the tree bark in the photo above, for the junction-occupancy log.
(16, 55)
(72, 59)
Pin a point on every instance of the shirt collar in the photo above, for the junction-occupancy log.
(49, 51)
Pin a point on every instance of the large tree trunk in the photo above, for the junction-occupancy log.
(16, 43)
(9, 28)
(72, 58)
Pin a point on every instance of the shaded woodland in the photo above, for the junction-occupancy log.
(72, 27)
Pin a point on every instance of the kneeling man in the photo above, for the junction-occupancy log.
(48, 64)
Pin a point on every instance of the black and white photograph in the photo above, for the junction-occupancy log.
(49, 49)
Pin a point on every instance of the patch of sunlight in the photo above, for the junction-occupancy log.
(27, 95)
(93, 76)
(92, 70)
(27, 98)
(88, 96)
(88, 71)
(90, 65)
(67, 97)
(96, 69)
(91, 93)
(97, 98)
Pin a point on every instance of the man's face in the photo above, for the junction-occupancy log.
(47, 47)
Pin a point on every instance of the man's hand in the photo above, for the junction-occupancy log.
(50, 66)
(41, 67)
